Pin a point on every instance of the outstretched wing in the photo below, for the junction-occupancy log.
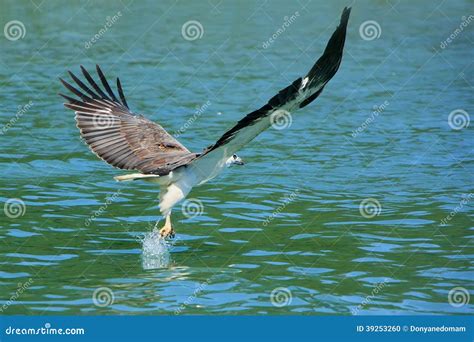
(116, 135)
(297, 95)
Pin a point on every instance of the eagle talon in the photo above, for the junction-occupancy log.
(167, 231)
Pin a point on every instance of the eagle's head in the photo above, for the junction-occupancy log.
(234, 160)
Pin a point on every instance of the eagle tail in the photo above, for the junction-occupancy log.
(134, 176)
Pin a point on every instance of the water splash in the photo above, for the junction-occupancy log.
(156, 251)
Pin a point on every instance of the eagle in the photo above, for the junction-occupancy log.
(129, 141)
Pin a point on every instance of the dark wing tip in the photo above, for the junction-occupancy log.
(346, 12)
(121, 94)
(62, 95)
(72, 75)
(93, 83)
(76, 92)
(106, 93)
(332, 55)
(322, 71)
(106, 85)
(70, 100)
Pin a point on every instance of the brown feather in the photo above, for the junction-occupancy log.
(118, 136)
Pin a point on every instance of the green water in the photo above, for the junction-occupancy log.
(290, 218)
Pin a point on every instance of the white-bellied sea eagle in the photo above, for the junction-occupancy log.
(130, 141)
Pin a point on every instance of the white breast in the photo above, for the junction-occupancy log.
(181, 183)
(208, 168)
